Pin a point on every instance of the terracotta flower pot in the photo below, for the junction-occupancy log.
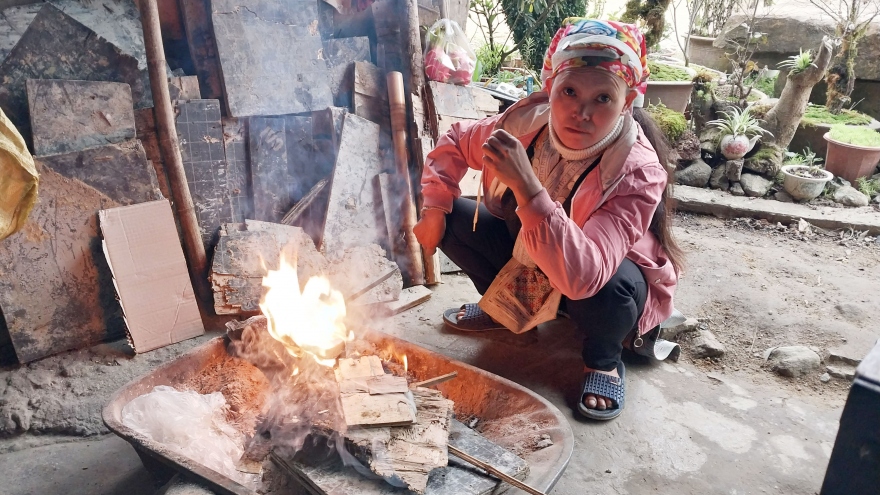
(803, 188)
(850, 161)
(674, 94)
(702, 51)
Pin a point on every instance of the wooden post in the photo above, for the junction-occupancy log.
(397, 101)
(167, 132)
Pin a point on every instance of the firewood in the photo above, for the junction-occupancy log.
(370, 397)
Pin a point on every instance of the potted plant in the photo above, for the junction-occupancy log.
(853, 151)
(804, 179)
(739, 132)
(704, 22)
(670, 85)
(818, 120)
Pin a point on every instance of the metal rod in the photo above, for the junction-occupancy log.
(495, 472)
(415, 272)
(436, 380)
(167, 133)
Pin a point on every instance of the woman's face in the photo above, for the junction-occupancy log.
(585, 104)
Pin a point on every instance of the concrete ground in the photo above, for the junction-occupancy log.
(694, 427)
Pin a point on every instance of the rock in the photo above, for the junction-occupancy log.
(734, 169)
(688, 146)
(670, 333)
(803, 226)
(544, 442)
(718, 179)
(755, 185)
(793, 361)
(825, 378)
(673, 159)
(850, 196)
(841, 371)
(695, 175)
(706, 345)
(783, 196)
(181, 486)
(836, 356)
(767, 161)
(877, 199)
(40, 378)
(836, 183)
(709, 139)
(736, 189)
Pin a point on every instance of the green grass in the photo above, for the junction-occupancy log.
(766, 85)
(672, 123)
(818, 114)
(868, 187)
(666, 72)
(857, 136)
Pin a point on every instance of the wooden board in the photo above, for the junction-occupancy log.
(269, 175)
(371, 94)
(56, 290)
(270, 57)
(238, 175)
(202, 46)
(409, 298)
(55, 46)
(326, 131)
(351, 216)
(454, 101)
(351, 368)
(385, 403)
(356, 270)
(120, 171)
(74, 115)
(300, 144)
(332, 477)
(340, 55)
(185, 88)
(375, 385)
(203, 152)
(145, 127)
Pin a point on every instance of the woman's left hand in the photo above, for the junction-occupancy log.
(506, 156)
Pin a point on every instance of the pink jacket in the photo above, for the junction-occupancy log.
(611, 210)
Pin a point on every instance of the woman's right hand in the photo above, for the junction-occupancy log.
(430, 229)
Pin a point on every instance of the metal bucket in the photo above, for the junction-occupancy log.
(475, 392)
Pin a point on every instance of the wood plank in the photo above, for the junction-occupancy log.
(409, 298)
(56, 290)
(202, 46)
(238, 174)
(390, 207)
(203, 152)
(363, 367)
(185, 88)
(74, 115)
(371, 94)
(372, 411)
(55, 46)
(269, 175)
(484, 101)
(351, 216)
(143, 251)
(300, 143)
(145, 127)
(293, 216)
(454, 101)
(270, 57)
(341, 54)
(326, 131)
(374, 385)
(120, 171)
(356, 270)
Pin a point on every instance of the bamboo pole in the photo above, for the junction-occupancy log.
(167, 134)
(494, 471)
(415, 272)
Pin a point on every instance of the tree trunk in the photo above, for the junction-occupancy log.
(841, 78)
(783, 119)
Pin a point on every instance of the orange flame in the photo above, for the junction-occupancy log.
(311, 320)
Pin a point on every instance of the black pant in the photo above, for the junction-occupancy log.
(606, 318)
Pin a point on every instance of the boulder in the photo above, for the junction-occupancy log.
(850, 196)
(784, 197)
(793, 361)
(709, 139)
(737, 189)
(734, 169)
(755, 185)
(670, 333)
(688, 146)
(836, 183)
(706, 345)
(718, 179)
(767, 161)
(695, 175)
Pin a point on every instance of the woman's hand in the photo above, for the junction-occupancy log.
(429, 229)
(505, 155)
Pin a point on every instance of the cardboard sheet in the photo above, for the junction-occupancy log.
(150, 275)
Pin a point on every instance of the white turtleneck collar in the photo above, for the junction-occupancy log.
(573, 154)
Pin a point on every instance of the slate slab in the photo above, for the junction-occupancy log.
(269, 176)
(56, 290)
(270, 55)
(74, 115)
(235, 140)
(120, 171)
(56, 46)
(341, 54)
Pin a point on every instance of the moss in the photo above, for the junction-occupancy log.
(666, 72)
(818, 114)
(855, 135)
(672, 123)
(766, 85)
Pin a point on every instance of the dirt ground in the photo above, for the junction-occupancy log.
(754, 285)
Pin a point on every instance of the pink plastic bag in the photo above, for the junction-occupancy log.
(448, 55)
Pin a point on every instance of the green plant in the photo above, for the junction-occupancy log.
(673, 124)
(868, 187)
(855, 135)
(537, 20)
(807, 158)
(666, 72)
(489, 59)
(819, 114)
(797, 63)
(764, 84)
(738, 122)
(651, 16)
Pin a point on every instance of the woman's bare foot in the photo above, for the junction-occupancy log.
(597, 401)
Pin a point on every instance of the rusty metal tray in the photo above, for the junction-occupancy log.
(477, 393)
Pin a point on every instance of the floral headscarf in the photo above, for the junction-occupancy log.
(616, 47)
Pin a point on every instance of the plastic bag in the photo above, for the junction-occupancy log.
(190, 424)
(448, 55)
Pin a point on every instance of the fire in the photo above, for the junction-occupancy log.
(311, 320)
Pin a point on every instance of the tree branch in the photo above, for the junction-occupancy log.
(538, 22)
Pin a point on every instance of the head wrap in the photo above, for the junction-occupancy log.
(616, 47)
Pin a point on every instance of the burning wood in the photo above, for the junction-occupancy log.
(370, 397)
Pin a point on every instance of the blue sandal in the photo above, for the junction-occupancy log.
(607, 386)
(474, 319)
